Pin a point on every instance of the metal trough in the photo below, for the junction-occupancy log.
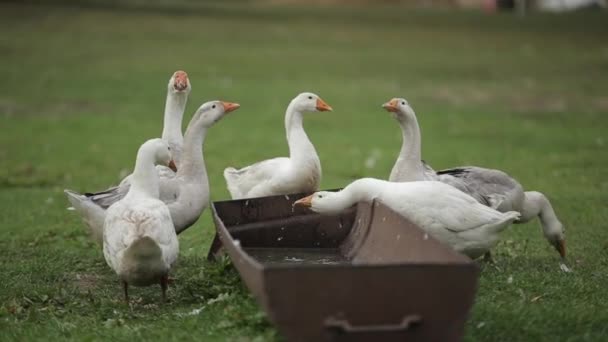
(366, 274)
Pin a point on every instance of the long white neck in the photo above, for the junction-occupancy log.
(194, 196)
(172, 123)
(144, 180)
(536, 204)
(192, 165)
(301, 150)
(408, 166)
(365, 189)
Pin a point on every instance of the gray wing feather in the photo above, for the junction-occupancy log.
(490, 187)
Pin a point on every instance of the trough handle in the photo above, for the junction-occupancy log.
(343, 326)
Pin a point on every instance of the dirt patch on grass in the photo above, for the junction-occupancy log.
(601, 103)
(516, 99)
(536, 102)
(52, 109)
(86, 282)
(27, 175)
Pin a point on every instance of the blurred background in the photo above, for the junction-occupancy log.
(520, 86)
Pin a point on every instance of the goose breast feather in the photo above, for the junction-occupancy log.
(255, 177)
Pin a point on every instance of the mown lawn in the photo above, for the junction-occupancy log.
(82, 88)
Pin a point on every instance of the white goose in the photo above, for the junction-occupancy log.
(186, 193)
(300, 172)
(178, 90)
(488, 186)
(91, 206)
(446, 213)
(139, 240)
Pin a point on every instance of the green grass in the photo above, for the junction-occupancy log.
(82, 88)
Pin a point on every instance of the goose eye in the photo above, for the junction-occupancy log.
(403, 103)
(213, 106)
(310, 97)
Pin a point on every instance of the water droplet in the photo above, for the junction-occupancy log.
(398, 237)
(425, 237)
(279, 238)
(294, 259)
(510, 280)
(383, 219)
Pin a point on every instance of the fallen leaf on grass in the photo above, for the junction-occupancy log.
(536, 298)
(220, 298)
(194, 312)
(225, 324)
(110, 323)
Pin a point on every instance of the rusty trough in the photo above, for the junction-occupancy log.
(366, 274)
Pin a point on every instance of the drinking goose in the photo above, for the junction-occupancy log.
(491, 187)
(444, 212)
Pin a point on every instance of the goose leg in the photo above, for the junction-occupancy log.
(487, 257)
(125, 287)
(164, 282)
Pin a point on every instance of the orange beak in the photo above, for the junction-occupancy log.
(391, 106)
(561, 248)
(172, 165)
(229, 106)
(304, 202)
(180, 80)
(322, 106)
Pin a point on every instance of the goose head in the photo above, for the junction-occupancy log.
(557, 238)
(324, 202)
(179, 83)
(400, 109)
(554, 232)
(309, 102)
(161, 152)
(213, 111)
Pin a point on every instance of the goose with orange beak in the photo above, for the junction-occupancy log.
(139, 241)
(178, 90)
(300, 172)
(186, 192)
(444, 212)
(490, 187)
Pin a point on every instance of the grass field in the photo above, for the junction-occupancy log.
(82, 88)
